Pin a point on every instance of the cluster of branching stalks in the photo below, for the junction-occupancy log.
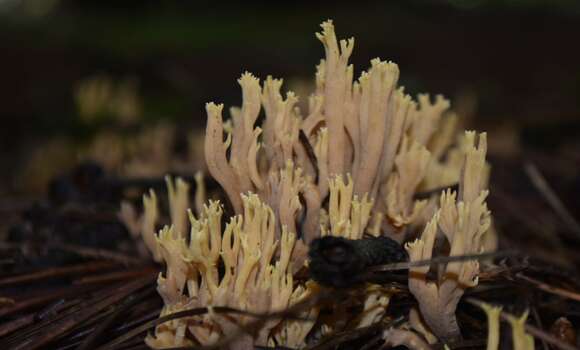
(350, 165)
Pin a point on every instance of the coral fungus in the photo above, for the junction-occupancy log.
(351, 164)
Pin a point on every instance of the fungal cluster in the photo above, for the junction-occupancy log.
(350, 165)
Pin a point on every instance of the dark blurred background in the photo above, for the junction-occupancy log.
(83, 79)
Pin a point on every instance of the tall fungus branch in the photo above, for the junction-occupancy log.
(462, 220)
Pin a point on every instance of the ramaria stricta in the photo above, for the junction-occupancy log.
(350, 165)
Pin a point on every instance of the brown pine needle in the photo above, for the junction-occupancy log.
(58, 329)
(42, 299)
(116, 276)
(16, 324)
(93, 266)
(6, 301)
(441, 260)
(92, 339)
(549, 288)
(97, 253)
(551, 197)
